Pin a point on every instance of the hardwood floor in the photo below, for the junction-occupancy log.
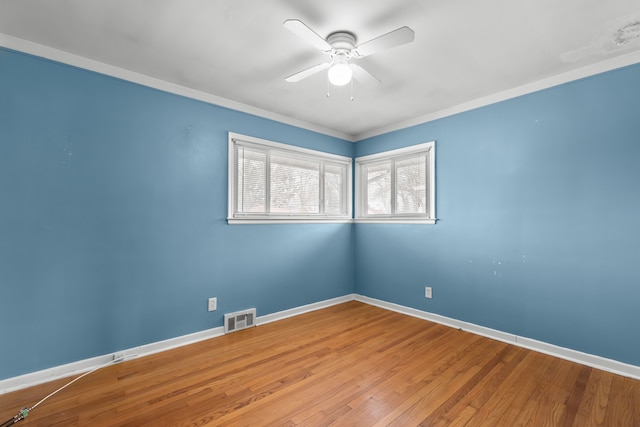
(347, 365)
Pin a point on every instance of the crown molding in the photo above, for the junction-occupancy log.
(74, 60)
(50, 53)
(559, 79)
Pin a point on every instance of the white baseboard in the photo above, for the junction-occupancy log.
(81, 366)
(591, 360)
(261, 320)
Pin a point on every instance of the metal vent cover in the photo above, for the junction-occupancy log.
(239, 320)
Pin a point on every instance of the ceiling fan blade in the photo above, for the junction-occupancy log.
(363, 76)
(298, 27)
(392, 39)
(306, 73)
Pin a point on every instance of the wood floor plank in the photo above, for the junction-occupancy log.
(520, 393)
(347, 365)
(575, 398)
(476, 394)
(621, 409)
(380, 367)
(594, 402)
(438, 383)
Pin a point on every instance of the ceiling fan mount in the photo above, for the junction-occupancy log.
(342, 41)
(342, 48)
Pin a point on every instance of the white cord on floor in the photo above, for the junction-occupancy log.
(25, 411)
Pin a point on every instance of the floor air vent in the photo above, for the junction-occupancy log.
(239, 320)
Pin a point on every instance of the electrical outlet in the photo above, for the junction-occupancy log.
(213, 304)
(427, 292)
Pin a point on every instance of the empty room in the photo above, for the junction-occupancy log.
(304, 213)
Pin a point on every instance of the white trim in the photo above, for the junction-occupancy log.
(268, 318)
(428, 221)
(587, 359)
(81, 366)
(265, 146)
(392, 156)
(559, 79)
(411, 149)
(63, 371)
(236, 221)
(47, 52)
(78, 367)
(261, 143)
(598, 362)
(51, 374)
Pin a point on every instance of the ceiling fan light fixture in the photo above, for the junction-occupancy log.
(340, 74)
(341, 48)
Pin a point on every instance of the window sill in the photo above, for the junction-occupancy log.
(427, 221)
(236, 221)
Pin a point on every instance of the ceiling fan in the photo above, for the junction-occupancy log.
(341, 48)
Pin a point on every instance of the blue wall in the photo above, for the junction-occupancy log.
(539, 200)
(113, 233)
(113, 199)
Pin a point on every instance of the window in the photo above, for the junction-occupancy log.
(397, 185)
(273, 182)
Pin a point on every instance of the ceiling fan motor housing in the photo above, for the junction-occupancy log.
(342, 41)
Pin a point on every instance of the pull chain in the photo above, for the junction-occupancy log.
(352, 98)
(328, 86)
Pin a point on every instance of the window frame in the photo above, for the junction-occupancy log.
(235, 217)
(393, 156)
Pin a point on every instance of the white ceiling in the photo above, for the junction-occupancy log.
(465, 51)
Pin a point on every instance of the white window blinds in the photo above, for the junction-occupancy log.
(397, 185)
(411, 188)
(269, 181)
